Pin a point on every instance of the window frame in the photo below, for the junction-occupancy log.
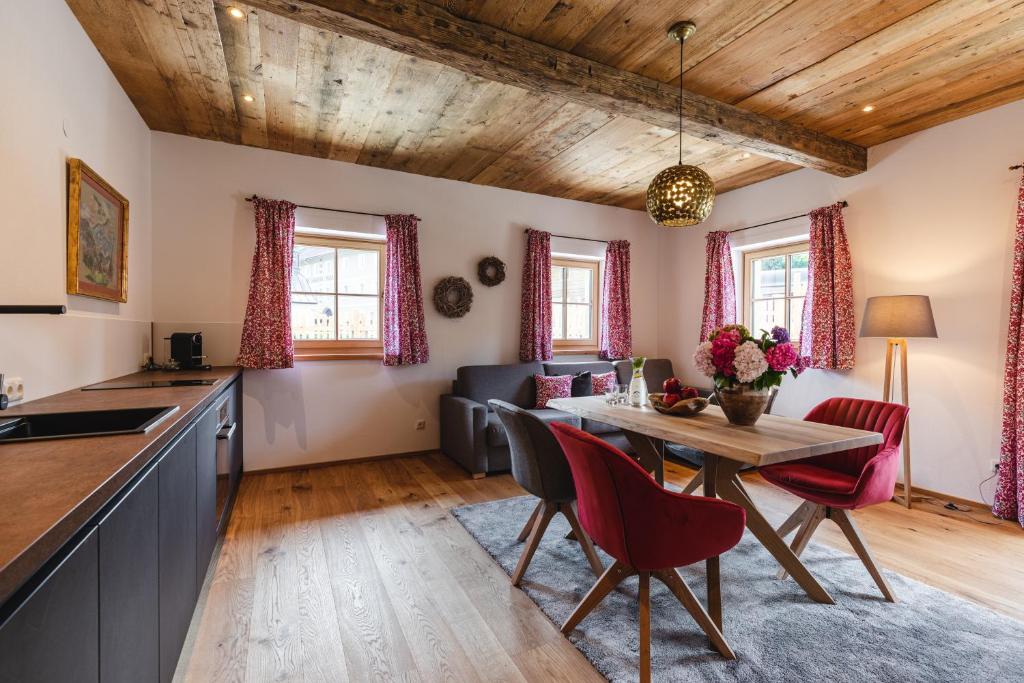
(747, 284)
(579, 346)
(345, 349)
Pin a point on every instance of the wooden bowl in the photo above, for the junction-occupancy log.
(684, 408)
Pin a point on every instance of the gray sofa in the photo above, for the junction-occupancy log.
(473, 436)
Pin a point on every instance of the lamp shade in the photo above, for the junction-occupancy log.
(908, 315)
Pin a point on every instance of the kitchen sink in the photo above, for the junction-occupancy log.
(73, 425)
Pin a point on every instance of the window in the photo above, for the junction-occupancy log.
(574, 304)
(774, 287)
(337, 297)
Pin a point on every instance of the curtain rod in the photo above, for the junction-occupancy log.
(324, 208)
(570, 237)
(843, 203)
(44, 309)
(1014, 168)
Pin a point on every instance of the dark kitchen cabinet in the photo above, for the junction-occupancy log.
(50, 635)
(206, 492)
(129, 581)
(177, 538)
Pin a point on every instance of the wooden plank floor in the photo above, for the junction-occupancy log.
(358, 572)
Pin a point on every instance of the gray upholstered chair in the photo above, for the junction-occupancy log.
(540, 467)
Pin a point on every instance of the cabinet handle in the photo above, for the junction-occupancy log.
(227, 432)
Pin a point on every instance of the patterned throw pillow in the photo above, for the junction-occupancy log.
(553, 386)
(604, 382)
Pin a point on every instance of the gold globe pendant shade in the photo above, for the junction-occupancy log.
(680, 196)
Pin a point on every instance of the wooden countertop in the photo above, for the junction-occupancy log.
(50, 489)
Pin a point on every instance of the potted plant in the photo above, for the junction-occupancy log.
(746, 369)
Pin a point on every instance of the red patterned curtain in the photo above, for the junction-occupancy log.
(535, 312)
(405, 335)
(719, 284)
(1009, 502)
(267, 331)
(828, 338)
(616, 337)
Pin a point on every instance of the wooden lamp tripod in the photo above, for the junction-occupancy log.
(896, 318)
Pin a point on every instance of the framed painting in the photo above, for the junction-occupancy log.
(97, 236)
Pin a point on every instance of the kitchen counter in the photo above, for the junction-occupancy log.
(50, 489)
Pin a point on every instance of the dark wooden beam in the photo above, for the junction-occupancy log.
(424, 30)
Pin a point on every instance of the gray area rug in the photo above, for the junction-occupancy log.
(778, 633)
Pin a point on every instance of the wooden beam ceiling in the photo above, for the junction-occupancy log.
(425, 30)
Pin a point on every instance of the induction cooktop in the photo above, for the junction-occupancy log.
(150, 384)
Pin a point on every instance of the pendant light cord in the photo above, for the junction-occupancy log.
(682, 42)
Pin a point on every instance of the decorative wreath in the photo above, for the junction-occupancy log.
(452, 297)
(491, 271)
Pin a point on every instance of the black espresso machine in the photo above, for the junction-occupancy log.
(187, 351)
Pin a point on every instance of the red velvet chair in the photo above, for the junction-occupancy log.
(648, 530)
(834, 483)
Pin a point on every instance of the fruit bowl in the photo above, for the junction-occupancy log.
(683, 408)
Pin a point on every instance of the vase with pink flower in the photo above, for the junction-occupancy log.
(747, 369)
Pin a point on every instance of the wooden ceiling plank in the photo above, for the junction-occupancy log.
(918, 81)
(568, 22)
(800, 35)
(129, 59)
(567, 126)
(240, 42)
(416, 27)
(158, 28)
(367, 67)
(279, 41)
(922, 28)
(313, 88)
(199, 36)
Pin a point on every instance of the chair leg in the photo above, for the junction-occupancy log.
(528, 527)
(845, 522)
(543, 519)
(675, 583)
(611, 578)
(796, 519)
(803, 537)
(569, 510)
(645, 627)
(695, 483)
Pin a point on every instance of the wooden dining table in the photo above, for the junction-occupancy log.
(726, 448)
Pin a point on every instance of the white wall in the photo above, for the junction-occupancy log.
(934, 215)
(330, 410)
(60, 100)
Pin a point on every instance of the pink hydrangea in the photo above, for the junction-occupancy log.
(781, 356)
(703, 360)
(723, 351)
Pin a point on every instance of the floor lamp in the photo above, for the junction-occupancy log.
(896, 318)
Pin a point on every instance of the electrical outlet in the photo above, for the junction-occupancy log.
(421, 425)
(14, 387)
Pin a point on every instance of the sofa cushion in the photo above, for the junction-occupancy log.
(512, 383)
(552, 386)
(497, 437)
(594, 367)
(595, 427)
(582, 385)
(603, 383)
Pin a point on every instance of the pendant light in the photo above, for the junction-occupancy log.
(681, 195)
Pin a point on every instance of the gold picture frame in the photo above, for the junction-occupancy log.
(97, 236)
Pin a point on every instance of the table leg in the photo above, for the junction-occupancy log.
(732, 490)
(650, 452)
(711, 468)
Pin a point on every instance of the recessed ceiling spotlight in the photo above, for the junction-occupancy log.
(745, 155)
(868, 108)
(236, 13)
(248, 98)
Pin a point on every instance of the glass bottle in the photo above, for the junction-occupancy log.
(638, 386)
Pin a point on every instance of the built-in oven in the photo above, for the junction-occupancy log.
(229, 461)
